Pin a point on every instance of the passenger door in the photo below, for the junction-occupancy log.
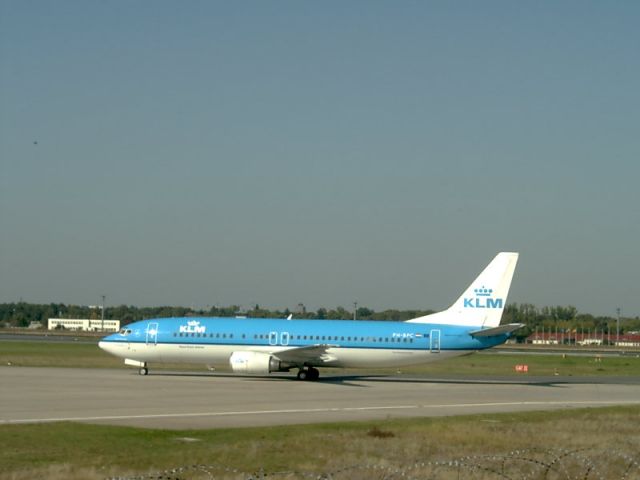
(434, 341)
(152, 333)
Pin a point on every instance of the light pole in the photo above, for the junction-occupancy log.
(355, 309)
(103, 297)
(618, 326)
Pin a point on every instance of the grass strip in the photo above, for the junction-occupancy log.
(55, 354)
(72, 450)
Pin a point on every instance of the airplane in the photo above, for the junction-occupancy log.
(259, 346)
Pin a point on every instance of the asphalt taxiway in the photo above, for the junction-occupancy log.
(191, 401)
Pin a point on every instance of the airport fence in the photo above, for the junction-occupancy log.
(532, 464)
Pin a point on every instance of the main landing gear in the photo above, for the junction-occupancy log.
(143, 371)
(308, 373)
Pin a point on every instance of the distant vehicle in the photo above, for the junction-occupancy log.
(262, 346)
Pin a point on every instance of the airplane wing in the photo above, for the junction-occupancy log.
(499, 330)
(312, 354)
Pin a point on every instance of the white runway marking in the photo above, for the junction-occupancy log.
(47, 395)
(320, 410)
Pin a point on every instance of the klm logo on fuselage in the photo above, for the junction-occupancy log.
(483, 299)
(192, 327)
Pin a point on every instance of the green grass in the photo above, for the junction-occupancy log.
(488, 363)
(81, 354)
(55, 354)
(70, 450)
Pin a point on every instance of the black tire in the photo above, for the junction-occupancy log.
(143, 371)
(303, 374)
(314, 374)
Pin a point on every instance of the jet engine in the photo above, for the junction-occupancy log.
(255, 363)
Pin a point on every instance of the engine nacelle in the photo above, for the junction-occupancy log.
(254, 363)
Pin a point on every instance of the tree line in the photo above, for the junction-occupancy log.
(21, 314)
(564, 319)
(558, 318)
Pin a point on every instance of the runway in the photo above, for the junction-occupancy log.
(197, 401)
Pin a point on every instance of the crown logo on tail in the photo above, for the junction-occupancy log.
(483, 299)
(483, 292)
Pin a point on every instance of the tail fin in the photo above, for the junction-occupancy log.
(482, 303)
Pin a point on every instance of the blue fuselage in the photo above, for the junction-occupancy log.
(245, 332)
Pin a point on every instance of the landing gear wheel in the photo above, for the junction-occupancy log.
(143, 371)
(308, 373)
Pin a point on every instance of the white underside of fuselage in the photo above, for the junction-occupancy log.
(218, 355)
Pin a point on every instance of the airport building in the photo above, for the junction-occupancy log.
(84, 324)
(584, 339)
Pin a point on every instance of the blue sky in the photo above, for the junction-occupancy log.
(200, 153)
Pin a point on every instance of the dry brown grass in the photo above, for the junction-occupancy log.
(592, 443)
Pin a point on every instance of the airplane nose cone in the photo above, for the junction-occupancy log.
(106, 346)
(114, 348)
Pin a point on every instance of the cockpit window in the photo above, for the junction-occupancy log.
(125, 331)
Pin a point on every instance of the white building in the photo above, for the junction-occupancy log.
(84, 324)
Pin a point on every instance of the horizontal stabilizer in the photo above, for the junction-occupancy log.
(499, 330)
